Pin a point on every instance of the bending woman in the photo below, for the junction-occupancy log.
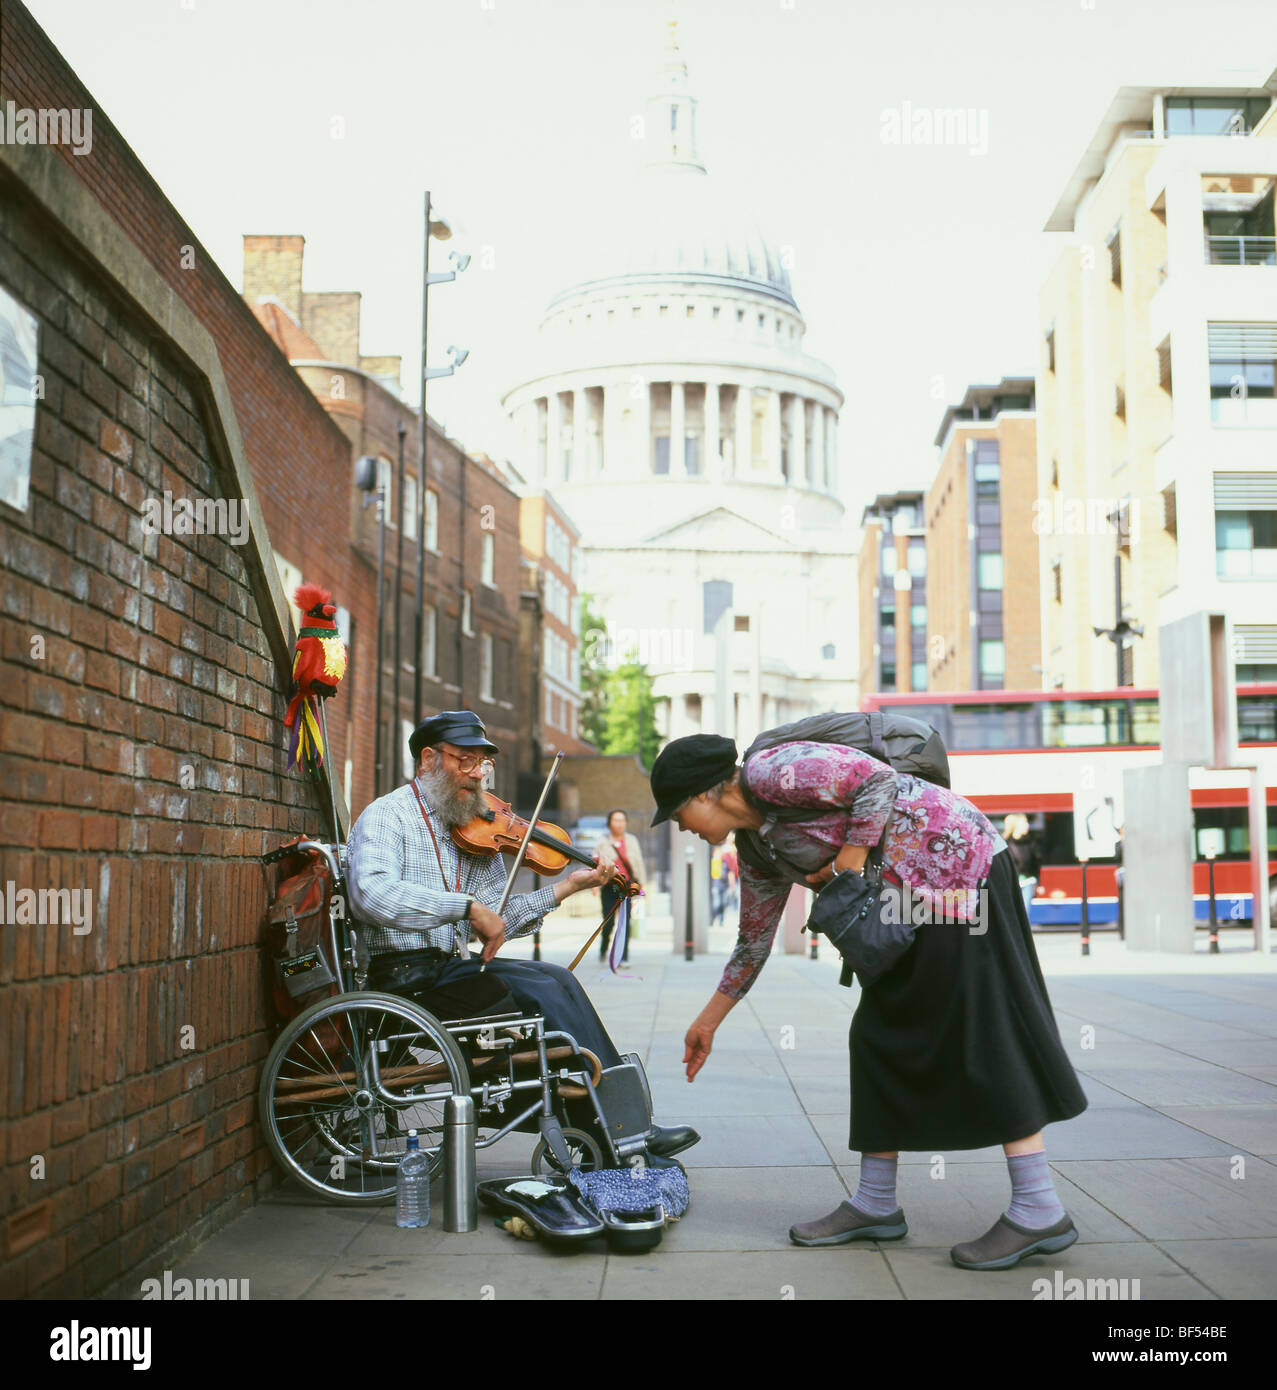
(955, 1047)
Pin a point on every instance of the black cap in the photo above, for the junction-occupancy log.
(458, 726)
(687, 767)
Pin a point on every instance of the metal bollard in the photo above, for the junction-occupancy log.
(460, 1201)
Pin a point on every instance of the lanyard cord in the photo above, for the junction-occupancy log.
(456, 930)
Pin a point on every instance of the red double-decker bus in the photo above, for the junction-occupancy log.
(1028, 751)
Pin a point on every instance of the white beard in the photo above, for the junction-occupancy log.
(454, 806)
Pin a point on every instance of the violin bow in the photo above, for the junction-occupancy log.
(517, 862)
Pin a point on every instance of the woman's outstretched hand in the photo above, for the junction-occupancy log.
(697, 1045)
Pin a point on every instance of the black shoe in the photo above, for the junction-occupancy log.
(668, 1140)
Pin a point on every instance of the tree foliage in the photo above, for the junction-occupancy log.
(618, 710)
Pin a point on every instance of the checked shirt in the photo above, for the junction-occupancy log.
(397, 890)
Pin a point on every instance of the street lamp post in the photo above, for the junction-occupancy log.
(396, 741)
(441, 231)
(368, 479)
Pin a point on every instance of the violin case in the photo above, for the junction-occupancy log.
(553, 1208)
(558, 1210)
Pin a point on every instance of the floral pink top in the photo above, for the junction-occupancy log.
(938, 842)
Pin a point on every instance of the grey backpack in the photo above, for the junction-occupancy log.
(904, 743)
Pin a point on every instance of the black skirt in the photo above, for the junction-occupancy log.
(956, 1047)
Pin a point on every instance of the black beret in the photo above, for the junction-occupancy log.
(687, 767)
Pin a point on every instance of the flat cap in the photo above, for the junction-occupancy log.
(457, 726)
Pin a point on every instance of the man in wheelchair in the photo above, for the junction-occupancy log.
(422, 898)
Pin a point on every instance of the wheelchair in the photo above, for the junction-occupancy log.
(351, 1076)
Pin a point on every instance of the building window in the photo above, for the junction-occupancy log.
(488, 566)
(917, 558)
(692, 454)
(485, 666)
(989, 570)
(888, 558)
(988, 476)
(430, 641)
(918, 616)
(992, 660)
(466, 629)
(713, 313)
(918, 675)
(1050, 348)
(740, 316)
(1213, 115)
(1119, 400)
(1115, 256)
(887, 618)
(1057, 585)
(410, 506)
(386, 483)
(889, 677)
(691, 311)
(1164, 365)
(828, 651)
(1243, 360)
(1246, 545)
(661, 463)
(432, 519)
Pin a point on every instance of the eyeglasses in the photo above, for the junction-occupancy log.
(471, 762)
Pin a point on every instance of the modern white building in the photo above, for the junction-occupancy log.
(1156, 392)
(679, 420)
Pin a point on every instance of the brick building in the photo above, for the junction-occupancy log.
(892, 580)
(471, 580)
(146, 676)
(984, 620)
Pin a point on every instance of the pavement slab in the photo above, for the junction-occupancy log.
(1170, 1174)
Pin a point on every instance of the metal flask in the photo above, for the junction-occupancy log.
(460, 1203)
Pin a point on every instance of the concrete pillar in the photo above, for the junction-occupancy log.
(744, 431)
(818, 478)
(678, 430)
(641, 403)
(1157, 856)
(831, 450)
(580, 436)
(554, 438)
(771, 437)
(801, 471)
(614, 402)
(712, 468)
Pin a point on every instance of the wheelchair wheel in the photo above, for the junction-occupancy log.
(345, 1082)
(583, 1149)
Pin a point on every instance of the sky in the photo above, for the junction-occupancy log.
(917, 268)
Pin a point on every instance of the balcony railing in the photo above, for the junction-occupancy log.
(1241, 250)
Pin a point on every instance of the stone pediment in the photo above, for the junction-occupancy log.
(717, 528)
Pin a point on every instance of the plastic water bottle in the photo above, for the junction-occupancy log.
(412, 1197)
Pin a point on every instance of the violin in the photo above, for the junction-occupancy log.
(497, 830)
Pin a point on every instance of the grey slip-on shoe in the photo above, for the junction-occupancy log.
(1006, 1243)
(846, 1223)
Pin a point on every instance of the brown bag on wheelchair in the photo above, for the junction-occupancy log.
(297, 940)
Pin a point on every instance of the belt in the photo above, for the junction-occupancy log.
(388, 958)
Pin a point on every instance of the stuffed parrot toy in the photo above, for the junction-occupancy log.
(319, 663)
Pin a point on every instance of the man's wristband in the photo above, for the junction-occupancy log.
(465, 916)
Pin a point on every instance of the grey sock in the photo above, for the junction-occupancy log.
(1033, 1200)
(876, 1193)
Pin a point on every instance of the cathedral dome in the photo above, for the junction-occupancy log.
(677, 224)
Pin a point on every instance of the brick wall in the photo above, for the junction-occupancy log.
(139, 760)
(140, 747)
(300, 460)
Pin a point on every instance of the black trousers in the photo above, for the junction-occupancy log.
(454, 988)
